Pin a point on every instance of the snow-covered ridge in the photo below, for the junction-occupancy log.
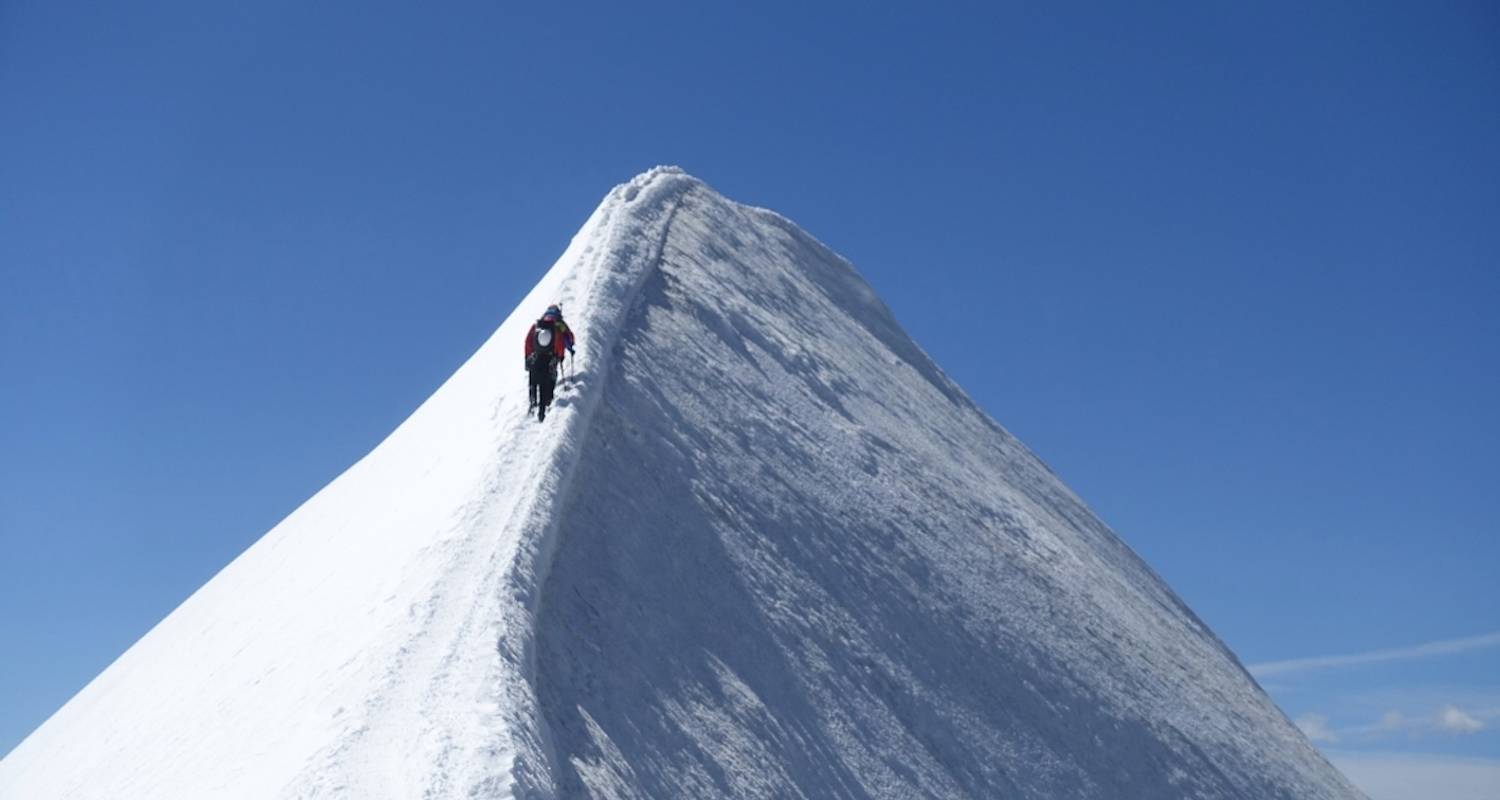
(636, 218)
(763, 547)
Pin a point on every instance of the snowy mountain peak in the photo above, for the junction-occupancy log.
(762, 547)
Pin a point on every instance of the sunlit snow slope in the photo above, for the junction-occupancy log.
(763, 548)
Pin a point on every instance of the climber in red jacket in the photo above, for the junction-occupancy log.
(547, 343)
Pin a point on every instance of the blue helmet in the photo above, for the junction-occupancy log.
(554, 310)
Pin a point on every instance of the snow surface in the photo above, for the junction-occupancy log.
(762, 548)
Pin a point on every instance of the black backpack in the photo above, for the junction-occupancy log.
(543, 342)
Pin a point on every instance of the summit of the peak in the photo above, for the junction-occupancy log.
(660, 179)
(663, 169)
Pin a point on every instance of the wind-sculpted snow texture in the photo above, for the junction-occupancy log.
(797, 561)
(761, 548)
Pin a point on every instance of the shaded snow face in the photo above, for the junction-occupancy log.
(796, 561)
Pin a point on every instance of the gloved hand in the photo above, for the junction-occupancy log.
(570, 351)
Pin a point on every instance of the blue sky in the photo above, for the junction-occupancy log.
(1231, 269)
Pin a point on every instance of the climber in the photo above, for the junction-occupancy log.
(547, 343)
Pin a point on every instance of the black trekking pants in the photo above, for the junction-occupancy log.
(543, 383)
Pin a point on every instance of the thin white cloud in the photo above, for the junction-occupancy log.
(1315, 728)
(1428, 650)
(1389, 723)
(1396, 776)
(1455, 721)
(1449, 719)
